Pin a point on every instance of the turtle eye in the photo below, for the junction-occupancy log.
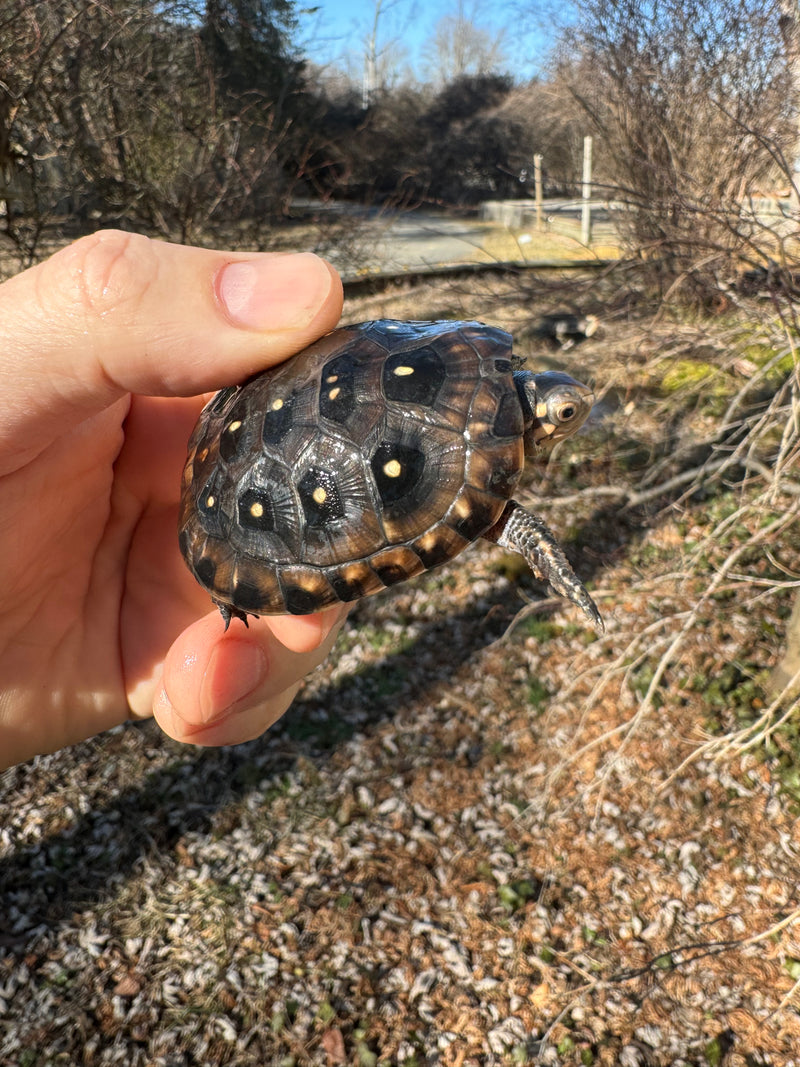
(566, 412)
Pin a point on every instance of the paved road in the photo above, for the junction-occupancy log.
(414, 241)
(385, 242)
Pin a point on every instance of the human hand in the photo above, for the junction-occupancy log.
(106, 350)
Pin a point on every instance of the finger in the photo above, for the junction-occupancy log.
(303, 633)
(224, 688)
(116, 312)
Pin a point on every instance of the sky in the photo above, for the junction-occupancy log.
(336, 31)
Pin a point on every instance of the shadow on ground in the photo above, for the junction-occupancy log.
(81, 864)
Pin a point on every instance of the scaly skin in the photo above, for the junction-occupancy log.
(529, 535)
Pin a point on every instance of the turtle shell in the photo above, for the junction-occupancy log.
(380, 451)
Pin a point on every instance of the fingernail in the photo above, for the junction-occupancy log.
(274, 292)
(235, 670)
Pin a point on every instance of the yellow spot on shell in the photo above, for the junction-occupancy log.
(332, 378)
(277, 404)
(257, 509)
(234, 426)
(319, 495)
(403, 370)
(334, 393)
(211, 501)
(393, 468)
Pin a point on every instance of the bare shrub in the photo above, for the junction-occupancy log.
(701, 596)
(693, 105)
(145, 116)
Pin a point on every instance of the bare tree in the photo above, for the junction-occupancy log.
(383, 61)
(789, 23)
(163, 116)
(461, 47)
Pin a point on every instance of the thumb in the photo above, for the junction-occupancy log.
(118, 313)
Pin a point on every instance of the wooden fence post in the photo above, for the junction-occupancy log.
(586, 193)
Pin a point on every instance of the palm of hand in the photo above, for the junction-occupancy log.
(99, 618)
(95, 591)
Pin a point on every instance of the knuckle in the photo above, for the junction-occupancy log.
(105, 274)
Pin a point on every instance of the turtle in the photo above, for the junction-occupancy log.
(379, 452)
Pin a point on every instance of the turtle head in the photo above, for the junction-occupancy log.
(554, 406)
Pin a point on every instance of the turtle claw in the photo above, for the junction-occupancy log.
(588, 607)
(227, 612)
(529, 535)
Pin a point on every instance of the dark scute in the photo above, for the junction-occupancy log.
(247, 597)
(299, 601)
(331, 508)
(508, 420)
(217, 403)
(206, 569)
(480, 518)
(346, 589)
(341, 406)
(277, 423)
(213, 519)
(232, 442)
(264, 522)
(412, 467)
(391, 573)
(503, 366)
(438, 553)
(421, 387)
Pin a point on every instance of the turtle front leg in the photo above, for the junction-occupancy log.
(529, 535)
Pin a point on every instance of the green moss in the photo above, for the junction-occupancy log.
(542, 630)
(593, 937)
(713, 386)
(537, 693)
(686, 373)
(326, 1013)
(714, 1052)
(763, 354)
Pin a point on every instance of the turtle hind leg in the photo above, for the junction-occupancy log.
(529, 535)
(228, 612)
